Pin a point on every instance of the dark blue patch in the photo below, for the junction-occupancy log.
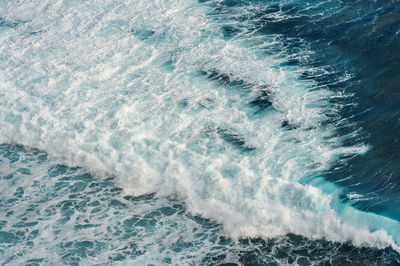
(357, 38)
(289, 126)
(263, 101)
(235, 139)
(8, 24)
(230, 31)
(225, 79)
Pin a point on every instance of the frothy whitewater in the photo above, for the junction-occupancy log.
(175, 99)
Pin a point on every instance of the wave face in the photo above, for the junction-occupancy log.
(54, 214)
(230, 127)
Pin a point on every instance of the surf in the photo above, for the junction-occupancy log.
(186, 101)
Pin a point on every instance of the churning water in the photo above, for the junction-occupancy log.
(199, 132)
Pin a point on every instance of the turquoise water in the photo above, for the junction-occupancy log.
(199, 132)
(54, 214)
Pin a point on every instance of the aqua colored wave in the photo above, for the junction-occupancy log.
(253, 115)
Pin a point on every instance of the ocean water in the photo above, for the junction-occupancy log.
(187, 132)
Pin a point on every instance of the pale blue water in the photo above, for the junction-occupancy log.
(199, 132)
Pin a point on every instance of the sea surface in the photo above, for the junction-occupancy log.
(187, 132)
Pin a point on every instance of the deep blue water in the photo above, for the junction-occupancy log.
(200, 132)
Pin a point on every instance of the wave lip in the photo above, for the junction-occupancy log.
(113, 228)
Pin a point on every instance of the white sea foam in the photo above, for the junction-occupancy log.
(121, 89)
